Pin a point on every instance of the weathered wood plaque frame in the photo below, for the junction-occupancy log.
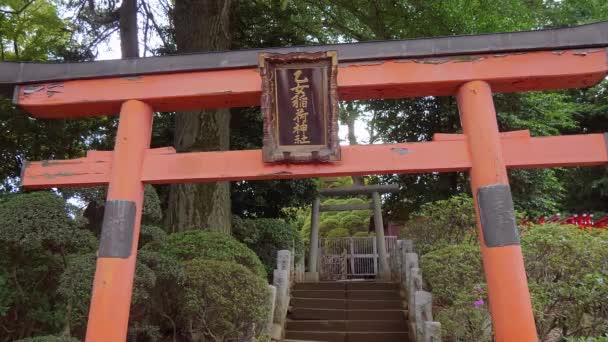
(326, 148)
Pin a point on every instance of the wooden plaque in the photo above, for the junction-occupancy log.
(300, 107)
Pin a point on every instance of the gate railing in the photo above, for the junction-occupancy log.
(351, 257)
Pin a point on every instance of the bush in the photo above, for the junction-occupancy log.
(200, 244)
(456, 289)
(327, 225)
(40, 220)
(37, 235)
(152, 213)
(567, 276)
(76, 283)
(355, 223)
(338, 233)
(266, 237)
(151, 234)
(442, 223)
(223, 301)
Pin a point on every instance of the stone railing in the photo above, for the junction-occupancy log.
(286, 273)
(405, 269)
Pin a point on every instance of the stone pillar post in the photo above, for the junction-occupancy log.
(272, 301)
(384, 272)
(314, 240)
(281, 281)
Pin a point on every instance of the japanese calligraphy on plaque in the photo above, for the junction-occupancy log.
(300, 107)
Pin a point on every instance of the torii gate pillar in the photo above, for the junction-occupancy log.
(113, 285)
(509, 298)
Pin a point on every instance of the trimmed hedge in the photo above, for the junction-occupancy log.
(223, 301)
(266, 237)
(200, 244)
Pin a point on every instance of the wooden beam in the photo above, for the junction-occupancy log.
(359, 190)
(346, 207)
(162, 166)
(356, 81)
(594, 35)
(504, 135)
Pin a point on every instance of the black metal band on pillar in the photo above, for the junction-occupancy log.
(497, 215)
(117, 229)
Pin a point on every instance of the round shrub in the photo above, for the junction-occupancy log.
(223, 300)
(76, 283)
(203, 244)
(362, 234)
(151, 234)
(40, 220)
(152, 213)
(338, 233)
(325, 225)
(354, 223)
(266, 237)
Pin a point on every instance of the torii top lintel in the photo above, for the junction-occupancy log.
(509, 62)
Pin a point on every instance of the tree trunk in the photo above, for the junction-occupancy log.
(129, 44)
(129, 48)
(201, 25)
(352, 140)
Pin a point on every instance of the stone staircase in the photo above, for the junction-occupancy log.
(346, 312)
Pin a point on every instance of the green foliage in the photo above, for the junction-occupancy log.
(151, 212)
(266, 237)
(152, 235)
(223, 301)
(40, 220)
(202, 244)
(268, 199)
(567, 276)
(588, 339)
(456, 288)
(34, 33)
(337, 233)
(328, 224)
(441, 223)
(76, 283)
(36, 238)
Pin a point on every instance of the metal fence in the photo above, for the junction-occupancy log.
(351, 257)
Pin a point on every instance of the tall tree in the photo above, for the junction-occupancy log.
(201, 26)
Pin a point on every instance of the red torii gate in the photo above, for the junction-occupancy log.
(470, 67)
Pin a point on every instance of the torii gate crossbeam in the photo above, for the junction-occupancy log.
(469, 67)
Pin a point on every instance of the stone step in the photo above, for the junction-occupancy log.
(337, 314)
(342, 325)
(324, 303)
(348, 294)
(337, 336)
(364, 285)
